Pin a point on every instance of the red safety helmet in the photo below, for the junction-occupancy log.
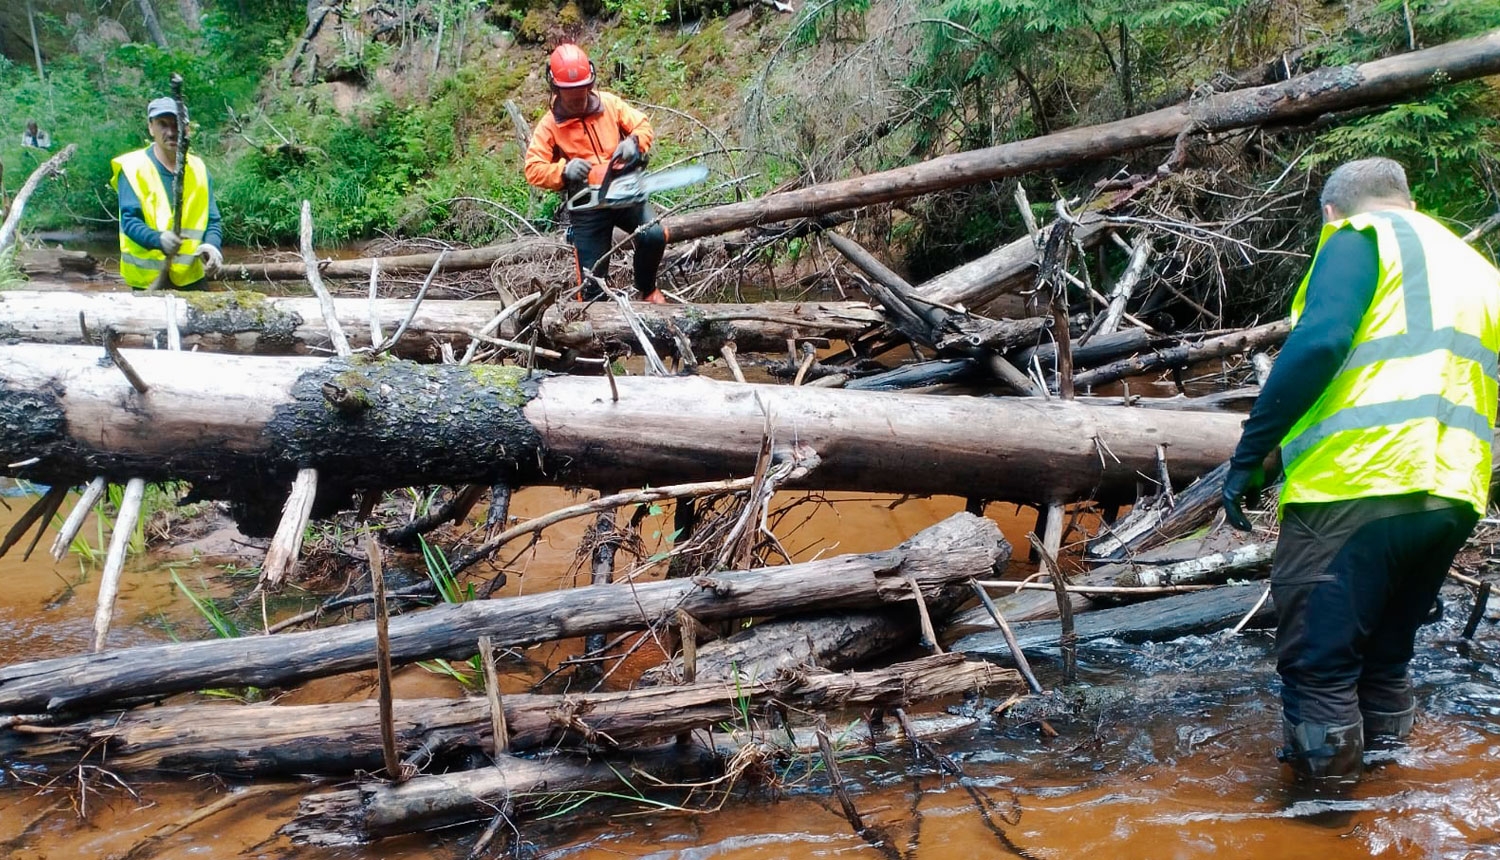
(569, 67)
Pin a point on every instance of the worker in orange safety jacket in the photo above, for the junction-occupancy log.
(582, 132)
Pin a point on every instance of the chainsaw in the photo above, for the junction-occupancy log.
(628, 186)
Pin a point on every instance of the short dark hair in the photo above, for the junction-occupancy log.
(1354, 184)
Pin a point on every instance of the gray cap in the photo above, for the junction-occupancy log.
(161, 107)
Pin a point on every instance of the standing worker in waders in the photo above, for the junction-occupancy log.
(585, 132)
(149, 236)
(1383, 402)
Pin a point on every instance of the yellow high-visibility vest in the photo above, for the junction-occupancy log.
(141, 266)
(1413, 407)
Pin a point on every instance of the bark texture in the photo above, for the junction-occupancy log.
(241, 427)
(966, 546)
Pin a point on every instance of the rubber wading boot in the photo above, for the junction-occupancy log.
(1325, 756)
(1384, 729)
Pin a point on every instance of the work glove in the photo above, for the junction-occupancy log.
(170, 243)
(212, 257)
(1242, 487)
(628, 153)
(577, 171)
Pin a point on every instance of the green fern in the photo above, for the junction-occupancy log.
(1449, 143)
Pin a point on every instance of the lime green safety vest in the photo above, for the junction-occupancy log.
(141, 266)
(1413, 407)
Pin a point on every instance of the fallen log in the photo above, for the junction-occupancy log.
(374, 811)
(1007, 269)
(56, 263)
(342, 738)
(1241, 562)
(919, 374)
(251, 322)
(1151, 621)
(517, 252)
(1159, 520)
(1220, 555)
(1303, 97)
(968, 546)
(50, 167)
(241, 427)
(1187, 354)
(829, 640)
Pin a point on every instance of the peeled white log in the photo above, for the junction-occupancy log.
(251, 322)
(114, 560)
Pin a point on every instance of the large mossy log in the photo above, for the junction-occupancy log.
(953, 550)
(251, 322)
(342, 738)
(240, 428)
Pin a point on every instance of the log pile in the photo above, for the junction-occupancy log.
(236, 394)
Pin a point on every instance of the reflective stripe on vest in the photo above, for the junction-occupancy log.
(1413, 405)
(141, 266)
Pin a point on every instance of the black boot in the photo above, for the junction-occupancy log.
(1386, 729)
(1325, 756)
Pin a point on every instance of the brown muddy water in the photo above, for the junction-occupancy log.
(1177, 764)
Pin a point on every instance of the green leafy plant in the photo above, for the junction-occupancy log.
(11, 276)
(222, 624)
(441, 574)
(1449, 143)
(448, 588)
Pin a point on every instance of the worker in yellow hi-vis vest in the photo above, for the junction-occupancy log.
(149, 239)
(1383, 402)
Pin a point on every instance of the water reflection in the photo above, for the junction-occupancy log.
(1180, 765)
(1169, 754)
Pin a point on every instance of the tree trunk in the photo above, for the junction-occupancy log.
(1007, 269)
(1247, 561)
(340, 739)
(519, 251)
(250, 322)
(1182, 356)
(192, 14)
(957, 548)
(36, 44)
(830, 641)
(53, 263)
(1157, 620)
(373, 811)
(153, 25)
(1304, 97)
(13, 219)
(240, 428)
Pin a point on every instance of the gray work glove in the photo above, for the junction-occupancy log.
(170, 243)
(577, 171)
(628, 153)
(212, 258)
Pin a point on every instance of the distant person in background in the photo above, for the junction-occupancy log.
(583, 130)
(35, 138)
(148, 238)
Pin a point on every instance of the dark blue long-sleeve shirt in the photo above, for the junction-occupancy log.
(133, 215)
(1343, 282)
